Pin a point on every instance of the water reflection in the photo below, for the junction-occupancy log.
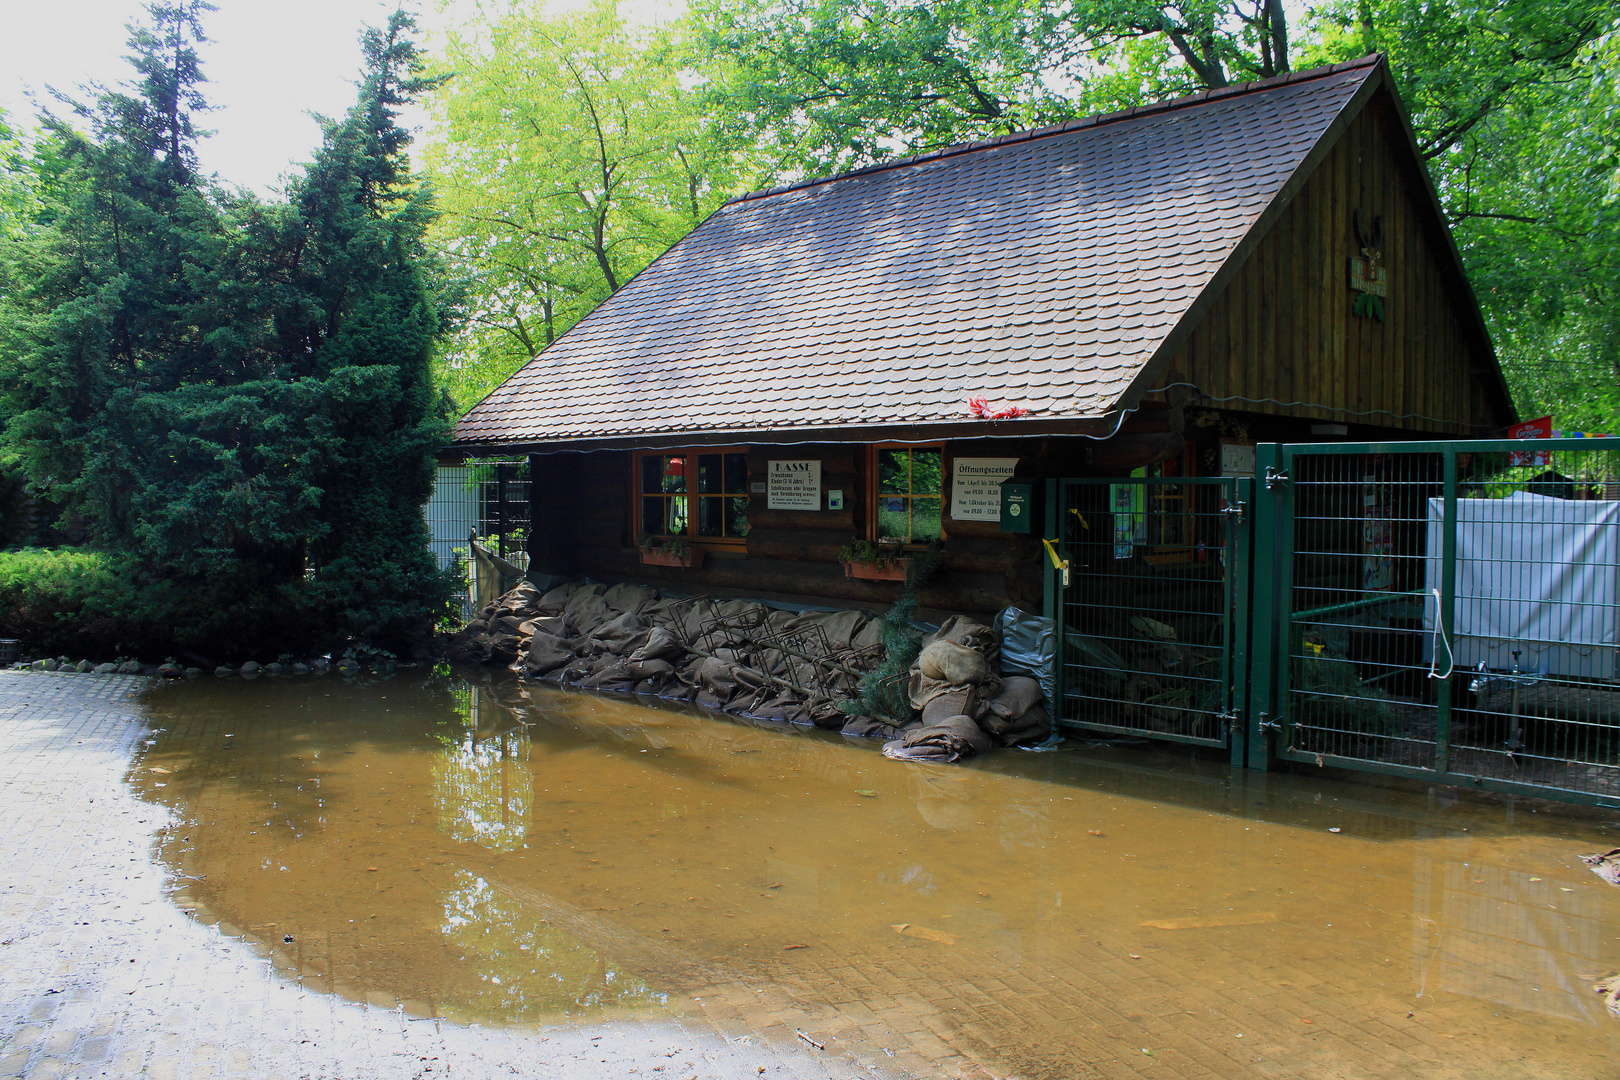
(481, 780)
(528, 966)
(512, 853)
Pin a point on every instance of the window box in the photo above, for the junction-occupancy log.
(690, 559)
(875, 571)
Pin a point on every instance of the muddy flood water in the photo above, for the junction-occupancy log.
(495, 853)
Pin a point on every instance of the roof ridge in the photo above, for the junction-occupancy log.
(1094, 120)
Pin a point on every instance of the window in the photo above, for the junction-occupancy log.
(909, 488)
(701, 494)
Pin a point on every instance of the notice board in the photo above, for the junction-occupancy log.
(793, 485)
(976, 487)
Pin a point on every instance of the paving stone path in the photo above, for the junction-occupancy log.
(101, 976)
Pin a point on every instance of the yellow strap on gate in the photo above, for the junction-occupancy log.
(1059, 563)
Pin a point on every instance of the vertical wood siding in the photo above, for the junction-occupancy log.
(1283, 330)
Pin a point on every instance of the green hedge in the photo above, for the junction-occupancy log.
(71, 601)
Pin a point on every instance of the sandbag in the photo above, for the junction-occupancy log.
(544, 654)
(650, 669)
(586, 611)
(963, 631)
(717, 677)
(1032, 727)
(1029, 647)
(661, 644)
(958, 736)
(544, 624)
(553, 602)
(611, 675)
(841, 627)
(869, 727)
(625, 597)
(954, 702)
(1019, 694)
(956, 665)
(621, 635)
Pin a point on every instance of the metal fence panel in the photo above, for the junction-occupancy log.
(487, 498)
(1447, 610)
(1152, 602)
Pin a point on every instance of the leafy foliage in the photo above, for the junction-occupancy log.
(68, 601)
(883, 692)
(236, 396)
(570, 155)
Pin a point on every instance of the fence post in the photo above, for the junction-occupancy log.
(1054, 600)
(1267, 557)
(1239, 613)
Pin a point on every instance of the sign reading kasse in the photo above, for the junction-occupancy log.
(976, 487)
(793, 485)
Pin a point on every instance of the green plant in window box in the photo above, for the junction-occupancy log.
(874, 560)
(668, 551)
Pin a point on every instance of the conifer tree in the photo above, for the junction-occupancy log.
(234, 396)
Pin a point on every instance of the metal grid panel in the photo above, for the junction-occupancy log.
(1354, 637)
(1147, 612)
(1453, 610)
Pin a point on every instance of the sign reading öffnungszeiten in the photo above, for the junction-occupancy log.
(793, 485)
(976, 487)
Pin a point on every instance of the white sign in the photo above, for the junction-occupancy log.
(976, 487)
(1237, 460)
(793, 485)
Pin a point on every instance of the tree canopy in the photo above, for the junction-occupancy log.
(570, 153)
(1511, 104)
(236, 396)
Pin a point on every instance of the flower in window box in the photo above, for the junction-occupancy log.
(873, 561)
(668, 551)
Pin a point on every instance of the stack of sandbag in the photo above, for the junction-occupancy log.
(964, 708)
(1017, 715)
(628, 638)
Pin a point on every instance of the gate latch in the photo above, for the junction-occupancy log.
(1235, 510)
(1229, 718)
(1275, 478)
(1267, 724)
(1058, 563)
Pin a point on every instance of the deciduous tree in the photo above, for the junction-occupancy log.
(570, 153)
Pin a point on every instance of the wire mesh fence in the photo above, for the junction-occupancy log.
(1147, 609)
(1452, 610)
(488, 498)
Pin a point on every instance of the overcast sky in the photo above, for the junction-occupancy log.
(269, 65)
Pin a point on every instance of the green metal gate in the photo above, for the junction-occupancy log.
(1441, 610)
(1148, 581)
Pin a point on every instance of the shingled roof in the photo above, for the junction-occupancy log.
(1044, 269)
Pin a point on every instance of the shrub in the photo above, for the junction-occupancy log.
(67, 600)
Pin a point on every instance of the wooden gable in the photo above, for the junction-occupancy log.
(1282, 337)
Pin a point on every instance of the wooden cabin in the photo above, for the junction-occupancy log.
(863, 357)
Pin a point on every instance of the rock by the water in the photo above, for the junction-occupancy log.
(194, 672)
(300, 669)
(252, 667)
(320, 665)
(130, 667)
(171, 671)
(347, 666)
(224, 671)
(105, 669)
(84, 667)
(46, 665)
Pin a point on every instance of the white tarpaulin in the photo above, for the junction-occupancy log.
(1534, 573)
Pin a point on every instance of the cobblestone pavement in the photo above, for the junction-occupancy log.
(100, 976)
